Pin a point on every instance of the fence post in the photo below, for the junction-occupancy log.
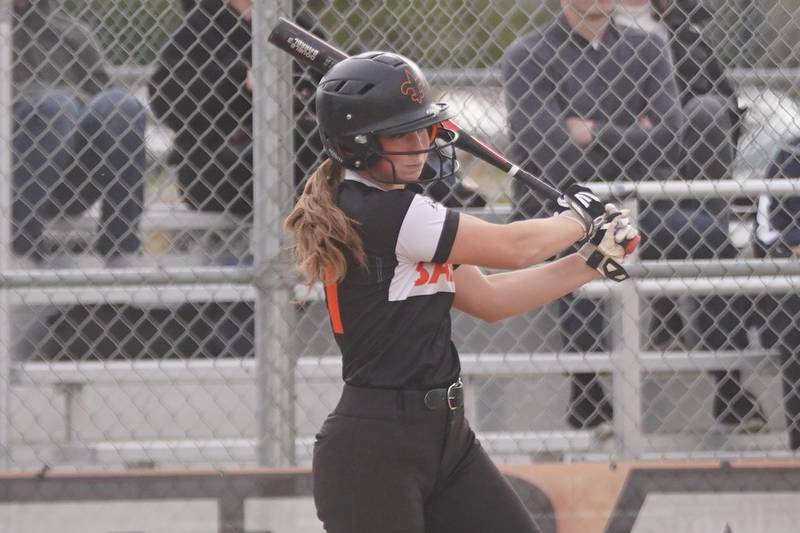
(272, 196)
(6, 112)
(625, 350)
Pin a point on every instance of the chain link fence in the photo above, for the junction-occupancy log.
(151, 316)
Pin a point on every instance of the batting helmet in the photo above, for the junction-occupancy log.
(380, 93)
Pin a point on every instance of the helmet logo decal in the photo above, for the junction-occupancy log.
(412, 88)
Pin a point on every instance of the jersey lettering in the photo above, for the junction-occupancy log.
(423, 274)
(440, 269)
(437, 269)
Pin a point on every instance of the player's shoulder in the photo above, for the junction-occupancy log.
(367, 203)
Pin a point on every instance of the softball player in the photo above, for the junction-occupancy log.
(397, 453)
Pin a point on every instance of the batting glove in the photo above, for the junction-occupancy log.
(614, 239)
(581, 205)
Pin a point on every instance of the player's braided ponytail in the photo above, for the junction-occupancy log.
(321, 231)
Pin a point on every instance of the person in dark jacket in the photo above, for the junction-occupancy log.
(76, 138)
(202, 90)
(777, 234)
(592, 100)
(698, 69)
(704, 89)
(714, 123)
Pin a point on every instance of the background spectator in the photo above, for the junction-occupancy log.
(76, 138)
(587, 100)
(778, 235)
(200, 90)
(699, 72)
(710, 136)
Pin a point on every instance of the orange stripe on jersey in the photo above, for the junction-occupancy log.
(332, 293)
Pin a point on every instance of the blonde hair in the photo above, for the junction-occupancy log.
(321, 230)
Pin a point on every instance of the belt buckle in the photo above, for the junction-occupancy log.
(451, 394)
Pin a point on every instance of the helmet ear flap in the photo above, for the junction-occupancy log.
(371, 159)
(332, 149)
(372, 151)
(360, 155)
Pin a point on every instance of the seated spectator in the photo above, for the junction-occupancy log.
(710, 137)
(590, 100)
(777, 229)
(76, 139)
(711, 134)
(777, 234)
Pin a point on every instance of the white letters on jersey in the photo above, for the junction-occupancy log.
(415, 274)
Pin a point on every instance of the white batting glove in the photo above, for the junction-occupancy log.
(606, 249)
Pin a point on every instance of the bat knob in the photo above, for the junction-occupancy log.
(631, 244)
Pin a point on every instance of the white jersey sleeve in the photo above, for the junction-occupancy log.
(427, 232)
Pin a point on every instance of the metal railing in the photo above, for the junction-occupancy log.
(625, 361)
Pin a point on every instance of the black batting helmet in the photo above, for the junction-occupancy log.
(379, 93)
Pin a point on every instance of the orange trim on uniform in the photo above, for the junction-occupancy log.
(332, 294)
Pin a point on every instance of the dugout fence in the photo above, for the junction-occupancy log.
(79, 410)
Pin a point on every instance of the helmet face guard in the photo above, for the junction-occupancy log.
(442, 162)
(375, 94)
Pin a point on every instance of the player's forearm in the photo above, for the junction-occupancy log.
(543, 238)
(512, 293)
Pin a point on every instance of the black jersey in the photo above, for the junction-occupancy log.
(392, 320)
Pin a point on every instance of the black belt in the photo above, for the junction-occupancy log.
(366, 401)
(450, 398)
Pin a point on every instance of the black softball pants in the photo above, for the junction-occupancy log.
(384, 461)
